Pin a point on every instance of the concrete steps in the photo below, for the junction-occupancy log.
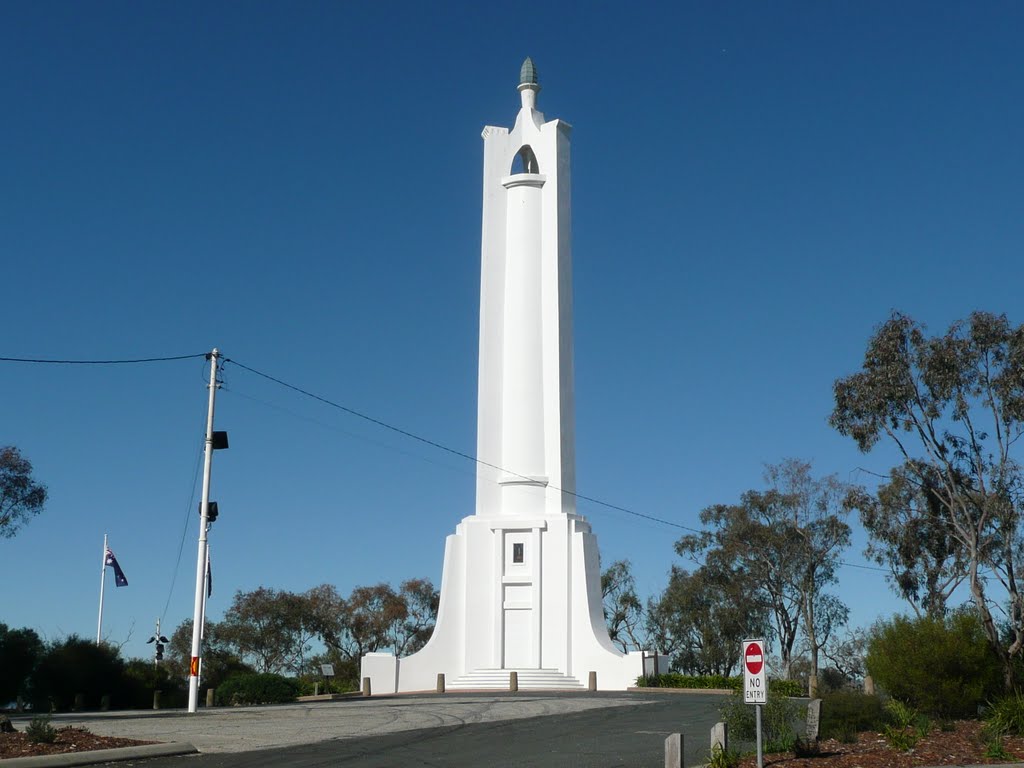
(529, 680)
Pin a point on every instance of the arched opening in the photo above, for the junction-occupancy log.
(525, 161)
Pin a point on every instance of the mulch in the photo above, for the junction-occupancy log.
(69, 739)
(963, 745)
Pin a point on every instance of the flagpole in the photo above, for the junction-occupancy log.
(103, 578)
(193, 680)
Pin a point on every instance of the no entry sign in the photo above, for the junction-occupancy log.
(755, 683)
(753, 657)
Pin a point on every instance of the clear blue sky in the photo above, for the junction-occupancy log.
(756, 186)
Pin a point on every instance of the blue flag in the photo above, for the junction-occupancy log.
(119, 578)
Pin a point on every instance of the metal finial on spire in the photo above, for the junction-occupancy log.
(528, 73)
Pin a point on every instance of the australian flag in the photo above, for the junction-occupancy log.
(119, 578)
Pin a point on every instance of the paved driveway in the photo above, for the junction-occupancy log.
(456, 730)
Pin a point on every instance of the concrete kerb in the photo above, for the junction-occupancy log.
(716, 691)
(96, 756)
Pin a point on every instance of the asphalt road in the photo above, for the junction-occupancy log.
(632, 735)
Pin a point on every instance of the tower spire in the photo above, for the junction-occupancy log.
(529, 84)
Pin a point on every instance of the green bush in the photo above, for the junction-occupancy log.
(721, 758)
(77, 666)
(792, 688)
(40, 731)
(703, 682)
(942, 667)
(778, 718)
(257, 688)
(905, 726)
(706, 682)
(310, 684)
(1005, 716)
(847, 713)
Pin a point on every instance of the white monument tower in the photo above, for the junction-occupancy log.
(521, 587)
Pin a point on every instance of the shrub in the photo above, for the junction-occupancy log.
(901, 733)
(1005, 716)
(77, 666)
(942, 667)
(846, 713)
(310, 684)
(40, 731)
(706, 682)
(257, 688)
(777, 719)
(792, 688)
(721, 758)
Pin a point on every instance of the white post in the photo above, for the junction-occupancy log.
(760, 753)
(202, 622)
(103, 579)
(197, 613)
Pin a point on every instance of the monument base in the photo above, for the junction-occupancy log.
(519, 595)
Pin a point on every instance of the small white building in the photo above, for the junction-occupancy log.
(521, 586)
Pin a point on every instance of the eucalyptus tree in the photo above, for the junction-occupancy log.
(784, 541)
(21, 496)
(953, 405)
(623, 611)
(700, 620)
(911, 536)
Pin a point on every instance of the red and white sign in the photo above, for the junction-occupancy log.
(753, 657)
(755, 681)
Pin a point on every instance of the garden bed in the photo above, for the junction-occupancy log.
(68, 739)
(963, 745)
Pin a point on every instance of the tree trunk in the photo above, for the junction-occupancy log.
(989, 626)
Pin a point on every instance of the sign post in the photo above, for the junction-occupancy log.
(755, 684)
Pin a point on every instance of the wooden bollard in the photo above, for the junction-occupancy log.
(719, 737)
(366, 686)
(156, 699)
(674, 751)
(79, 704)
(440, 682)
(210, 696)
(105, 702)
(513, 681)
(592, 681)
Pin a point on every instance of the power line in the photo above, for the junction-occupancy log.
(464, 455)
(453, 451)
(185, 527)
(100, 362)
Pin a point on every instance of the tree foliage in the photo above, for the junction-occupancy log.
(21, 497)
(784, 542)
(219, 658)
(623, 611)
(953, 405)
(701, 619)
(20, 653)
(78, 666)
(268, 629)
(912, 537)
(942, 666)
(276, 631)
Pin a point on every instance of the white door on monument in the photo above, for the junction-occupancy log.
(518, 632)
(518, 641)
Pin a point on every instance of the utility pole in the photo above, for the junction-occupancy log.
(197, 614)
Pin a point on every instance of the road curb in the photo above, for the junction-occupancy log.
(715, 691)
(92, 757)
